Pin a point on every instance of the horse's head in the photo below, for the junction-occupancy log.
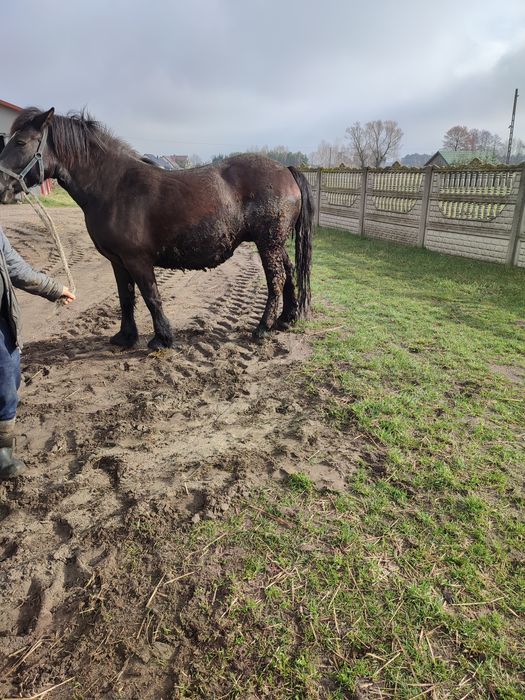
(22, 160)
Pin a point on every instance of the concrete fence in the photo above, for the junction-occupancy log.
(477, 213)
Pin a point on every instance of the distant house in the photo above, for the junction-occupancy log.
(8, 113)
(180, 161)
(160, 162)
(168, 162)
(445, 158)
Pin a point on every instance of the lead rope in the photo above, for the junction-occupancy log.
(35, 204)
(48, 221)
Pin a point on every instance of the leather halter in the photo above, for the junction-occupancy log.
(37, 158)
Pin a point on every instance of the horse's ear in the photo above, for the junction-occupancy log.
(41, 120)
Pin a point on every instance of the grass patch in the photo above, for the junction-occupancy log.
(301, 483)
(424, 347)
(58, 197)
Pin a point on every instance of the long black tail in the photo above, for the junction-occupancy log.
(303, 242)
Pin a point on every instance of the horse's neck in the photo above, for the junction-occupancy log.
(87, 182)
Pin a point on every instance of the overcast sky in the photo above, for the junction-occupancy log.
(214, 76)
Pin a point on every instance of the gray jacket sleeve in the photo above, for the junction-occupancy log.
(24, 277)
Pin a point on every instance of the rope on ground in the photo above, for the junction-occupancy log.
(48, 221)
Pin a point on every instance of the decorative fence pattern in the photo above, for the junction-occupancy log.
(477, 213)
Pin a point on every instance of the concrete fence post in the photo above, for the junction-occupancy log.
(516, 221)
(425, 202)
(362, 207)
(318, 203)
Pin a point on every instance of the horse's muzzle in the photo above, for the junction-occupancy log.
(6, 183)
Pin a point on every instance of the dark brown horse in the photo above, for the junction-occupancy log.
(141, 217)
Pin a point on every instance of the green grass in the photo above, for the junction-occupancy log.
(411, 583)
(58, 197)
(421, 353)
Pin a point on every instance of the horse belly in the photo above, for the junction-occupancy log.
(194, 255)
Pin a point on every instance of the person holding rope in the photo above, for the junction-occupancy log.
(16, 272)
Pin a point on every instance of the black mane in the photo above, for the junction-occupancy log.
(75, 137)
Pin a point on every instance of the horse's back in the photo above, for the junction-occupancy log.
(253, 174)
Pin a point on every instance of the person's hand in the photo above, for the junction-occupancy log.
(67, 297)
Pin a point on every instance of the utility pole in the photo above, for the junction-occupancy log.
(511, 127)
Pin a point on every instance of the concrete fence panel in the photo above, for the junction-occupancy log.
(340, 200)
(473, 212)
(394, 205)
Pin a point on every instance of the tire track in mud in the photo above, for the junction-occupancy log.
(112, 435)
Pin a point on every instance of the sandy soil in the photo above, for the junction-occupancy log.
(109, 433)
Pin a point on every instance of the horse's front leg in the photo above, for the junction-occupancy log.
(145, 279)
(128, 334)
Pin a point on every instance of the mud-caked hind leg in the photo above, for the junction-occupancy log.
(289, 313)
(272, 260)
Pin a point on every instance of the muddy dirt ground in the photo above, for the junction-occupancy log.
(111, 436)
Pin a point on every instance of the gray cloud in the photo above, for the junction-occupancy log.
(218, 75)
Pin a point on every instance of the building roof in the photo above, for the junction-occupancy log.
(463, 157)
(181, 161)
(169, 163)
(9, 105)
(161, 162)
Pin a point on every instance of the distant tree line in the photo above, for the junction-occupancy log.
(461, 138)
(377, 143)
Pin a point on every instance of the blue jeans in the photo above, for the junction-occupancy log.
(9, 372)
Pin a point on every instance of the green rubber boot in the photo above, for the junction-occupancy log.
(10, 466)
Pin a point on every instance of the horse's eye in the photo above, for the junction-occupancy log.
(19, 142)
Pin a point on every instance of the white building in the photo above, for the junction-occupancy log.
(8, 114)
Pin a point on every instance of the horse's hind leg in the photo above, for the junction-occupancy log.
(289, 312)
(128, 335)
(145, 279)
(272, 260)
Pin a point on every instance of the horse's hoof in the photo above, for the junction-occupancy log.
(282, 325)
(286, 320)
(123, 340)
(260, 332)
(157, 343)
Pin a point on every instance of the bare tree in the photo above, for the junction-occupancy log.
(497, 148)
(375, 142)
(477, 140)
(485, 140)
(473, 139)
(457, 139)
(322, 155)
(195, 160)
(384, 139)
(357, 136)
(328, 155)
